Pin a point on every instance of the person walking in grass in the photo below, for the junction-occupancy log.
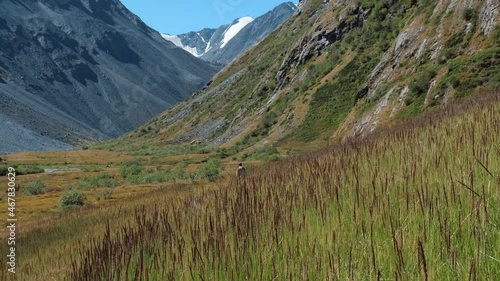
(241, 172)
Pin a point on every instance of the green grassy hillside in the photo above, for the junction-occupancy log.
(418, 200)
(337, 69)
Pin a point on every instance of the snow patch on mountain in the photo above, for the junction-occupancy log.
(177, 42)
(202, 39)
(234, 29)
(228, 34)
(221, 45)
(209, 47)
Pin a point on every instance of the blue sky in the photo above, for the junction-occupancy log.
(177, 17)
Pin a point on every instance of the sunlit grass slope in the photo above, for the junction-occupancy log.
(419, 200)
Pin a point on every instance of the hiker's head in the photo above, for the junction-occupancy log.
(241, 164)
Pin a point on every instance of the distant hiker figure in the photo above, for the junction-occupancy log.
(241, 172)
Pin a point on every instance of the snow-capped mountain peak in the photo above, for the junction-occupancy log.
(234, 29)
(223, 44)
(219, 37)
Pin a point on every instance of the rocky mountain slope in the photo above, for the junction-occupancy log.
(78, 70)
(223, 44)
(339, 68)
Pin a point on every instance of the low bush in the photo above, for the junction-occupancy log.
(29, 169)
(467, 14)
(21, 169)
(144, 178)
(199, 149)
(35, 187)
(3, 170)
(210, 170)
(129, 169)
(71, 199)
(265, 153)
(100, 180)
(422, 83)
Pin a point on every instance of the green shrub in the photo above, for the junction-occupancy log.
(496, 35)
(465, 74)
(150, 177)
(210, 170)
(21, 169)
(198, 149)
(265, 153)
(29, 169)
(3, 170)
(468, 14)
(268, 120)
(422, 83)
(180, 171)
(414, 108)
(227, 152)
(71, 198)
(100, 180)
(36, 187)
(129, 169)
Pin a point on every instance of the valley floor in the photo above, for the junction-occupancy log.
(416, 200)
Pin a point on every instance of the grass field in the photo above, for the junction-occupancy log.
(43, 227)
(418, 200)
(82, 169)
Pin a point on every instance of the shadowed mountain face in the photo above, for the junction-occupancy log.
(78, 70)
(224, 44)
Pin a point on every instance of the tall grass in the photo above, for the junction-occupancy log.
(419, 200)
(45, 248)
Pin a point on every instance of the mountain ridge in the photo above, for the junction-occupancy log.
(338, 69)
(86, 70)
(213, 44)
